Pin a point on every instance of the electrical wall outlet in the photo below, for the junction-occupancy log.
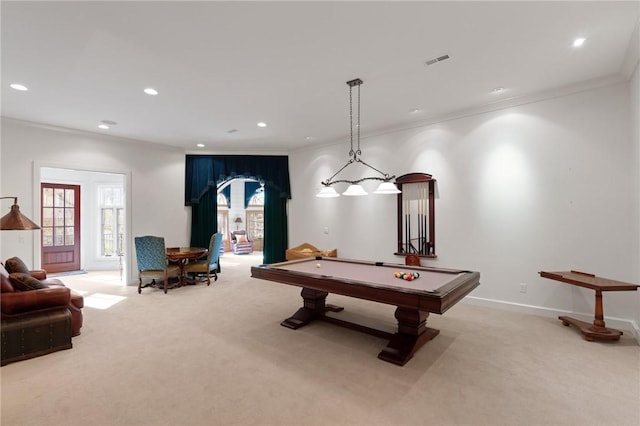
(523, 287)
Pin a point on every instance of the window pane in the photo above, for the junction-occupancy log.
(47, 217)
(107, 232)
(58, 236)
(69, 219)
(120, 222)
(69, 236)
(47, 197)
(118, 196)
(58, 197)
(47, 237)
(58, 219)
(69, 197)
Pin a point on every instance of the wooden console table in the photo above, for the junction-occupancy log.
(582, 279)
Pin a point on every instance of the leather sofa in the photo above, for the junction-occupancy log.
(17, 305)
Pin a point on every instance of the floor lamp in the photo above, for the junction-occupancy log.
(14, 220)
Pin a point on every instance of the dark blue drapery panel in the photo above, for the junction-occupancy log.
(204, 172)
(227, 193)
(249, 190)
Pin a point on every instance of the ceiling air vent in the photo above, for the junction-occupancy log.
(437, 59)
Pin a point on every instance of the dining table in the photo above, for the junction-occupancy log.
(182, 255)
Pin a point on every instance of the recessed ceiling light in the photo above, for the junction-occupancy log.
(200, 145)
(308, 138)
(150, 91)
(414, 110)
(18, 86)
(262, 124)
(497, 90)
(579, 42)
(103, 126)
(232, 131)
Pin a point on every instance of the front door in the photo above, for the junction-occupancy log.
(60, 227)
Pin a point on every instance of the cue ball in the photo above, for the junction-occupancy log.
(317, 265)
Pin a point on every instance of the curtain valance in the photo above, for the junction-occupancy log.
(206, 171)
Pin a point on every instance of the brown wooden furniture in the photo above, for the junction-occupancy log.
(416, 215)
(412, 259)
(436, 290)
(305, 250)
(597, 330)
(181, 255)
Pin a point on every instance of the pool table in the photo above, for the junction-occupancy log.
(435, 290)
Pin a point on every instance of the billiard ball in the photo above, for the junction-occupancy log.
(317, 265)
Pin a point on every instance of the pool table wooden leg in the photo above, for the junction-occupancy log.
(412, 334)
(315, 306)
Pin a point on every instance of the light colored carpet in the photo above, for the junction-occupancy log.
(218, 356)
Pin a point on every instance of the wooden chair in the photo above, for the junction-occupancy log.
(151, 256)
(412, 259)
(209, 265)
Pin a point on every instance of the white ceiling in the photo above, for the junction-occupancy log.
(227, 65)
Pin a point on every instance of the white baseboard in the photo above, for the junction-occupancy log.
(617, 323)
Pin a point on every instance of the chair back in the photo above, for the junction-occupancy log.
(151, 254)
(412, 259)
(234, 234)
(214, 250)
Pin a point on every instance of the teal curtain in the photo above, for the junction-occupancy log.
(204, 172)
(249, 190)
(204, 218)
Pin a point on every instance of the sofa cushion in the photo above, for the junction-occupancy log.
(15, 264)
(25, 282)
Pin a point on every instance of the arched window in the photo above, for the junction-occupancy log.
(222, 200)
(257, 199)
(255, 218)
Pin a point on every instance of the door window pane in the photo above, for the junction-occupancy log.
(68, 236)
(47, 237)
(47, 197)
(47, 217)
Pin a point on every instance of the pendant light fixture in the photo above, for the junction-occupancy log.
(355, 189)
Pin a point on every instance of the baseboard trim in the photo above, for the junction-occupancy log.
(618, 323)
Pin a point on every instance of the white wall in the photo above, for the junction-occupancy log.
(546, 185)
(635, 138)
(156, 175)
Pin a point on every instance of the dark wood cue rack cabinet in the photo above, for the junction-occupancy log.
(416, 215)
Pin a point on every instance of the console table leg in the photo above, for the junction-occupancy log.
(598, 321)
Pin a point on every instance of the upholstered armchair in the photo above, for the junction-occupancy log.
(151, 256)
(39, 314)
(211, 264)
(240, 242)
(20, 288)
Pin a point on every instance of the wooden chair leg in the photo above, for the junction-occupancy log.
(139, 285)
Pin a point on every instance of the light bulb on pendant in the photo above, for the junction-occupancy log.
(327, 192)
(354, 190)
(387, 188)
